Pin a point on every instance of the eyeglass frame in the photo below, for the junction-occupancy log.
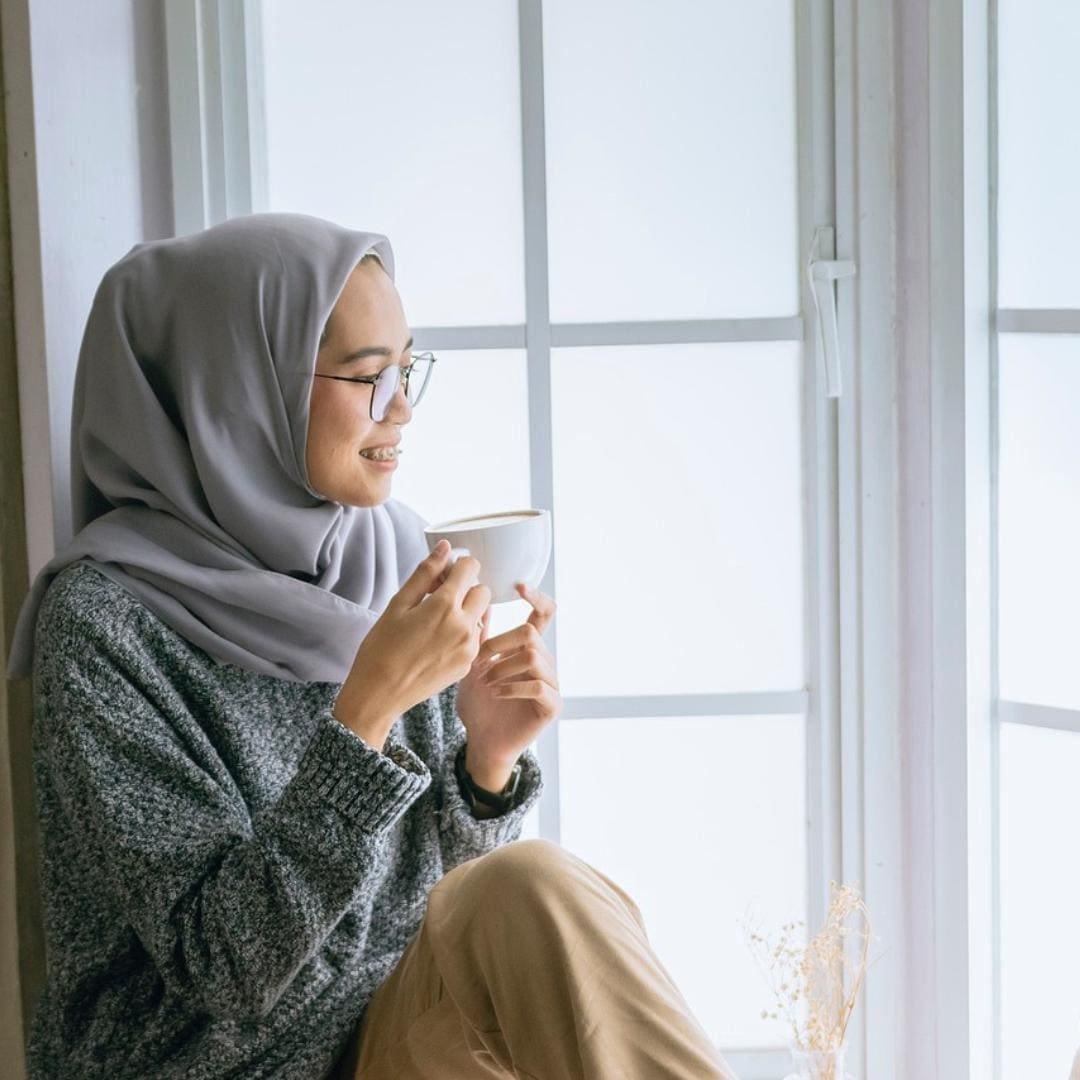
(403, 377)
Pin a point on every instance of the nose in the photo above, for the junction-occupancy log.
(399, 411)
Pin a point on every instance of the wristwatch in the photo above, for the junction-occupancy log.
(473, 793)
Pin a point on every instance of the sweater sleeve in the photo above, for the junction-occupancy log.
(230, 906)
(462, 836)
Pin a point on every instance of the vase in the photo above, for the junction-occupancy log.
(818, 1064)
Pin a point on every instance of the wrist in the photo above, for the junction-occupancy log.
(372, 724)
(486, 801)
(488, 773)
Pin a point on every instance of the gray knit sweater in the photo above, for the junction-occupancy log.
(228, 872)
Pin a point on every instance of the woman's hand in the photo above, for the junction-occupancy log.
(427, 638)
(510, 693)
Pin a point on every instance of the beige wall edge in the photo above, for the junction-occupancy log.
(23, 393)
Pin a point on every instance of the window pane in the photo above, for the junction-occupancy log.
(678, 518)
(1038, 153)
(740, 780)
(530, 826)
(1039, 518)
(671, 154)
(405, 119)
(1040, 896)
(466, 449)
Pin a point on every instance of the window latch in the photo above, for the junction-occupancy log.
(823, 270)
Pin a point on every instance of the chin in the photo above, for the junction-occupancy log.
(367, 498)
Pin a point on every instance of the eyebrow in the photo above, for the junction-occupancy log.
(373, 350)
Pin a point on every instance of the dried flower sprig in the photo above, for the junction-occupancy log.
(817, 984)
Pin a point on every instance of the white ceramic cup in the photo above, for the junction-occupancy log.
(511, 545)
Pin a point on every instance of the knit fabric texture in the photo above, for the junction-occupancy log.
(228, 873)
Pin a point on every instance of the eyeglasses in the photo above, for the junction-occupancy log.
(386, 383)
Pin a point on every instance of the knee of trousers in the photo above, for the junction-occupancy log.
(517, 875)
(528, 894)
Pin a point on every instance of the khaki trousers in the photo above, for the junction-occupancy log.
(530, 964)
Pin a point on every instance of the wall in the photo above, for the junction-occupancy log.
(89, 176)
(101, 129)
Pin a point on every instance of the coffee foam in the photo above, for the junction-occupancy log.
(481, 523)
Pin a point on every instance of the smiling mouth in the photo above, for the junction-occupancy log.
(386, 465)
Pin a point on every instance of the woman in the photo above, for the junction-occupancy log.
(262, 854)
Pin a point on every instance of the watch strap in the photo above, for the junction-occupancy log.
(473, 793)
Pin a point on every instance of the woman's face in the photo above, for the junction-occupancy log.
(367, 315)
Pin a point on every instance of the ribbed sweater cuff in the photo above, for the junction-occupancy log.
(368, 788)
(456, 819)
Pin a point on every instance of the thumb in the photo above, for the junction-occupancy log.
(423, 579)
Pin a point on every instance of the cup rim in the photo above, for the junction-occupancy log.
(531, 511)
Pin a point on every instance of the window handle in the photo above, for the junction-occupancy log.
(823, 270)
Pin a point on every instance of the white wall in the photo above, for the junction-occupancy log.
(86, 113)
(100, 113)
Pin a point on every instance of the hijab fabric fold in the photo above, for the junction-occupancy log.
(189, 431)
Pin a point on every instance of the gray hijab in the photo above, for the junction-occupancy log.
(188, 452)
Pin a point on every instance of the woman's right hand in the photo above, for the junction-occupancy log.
(425, 640)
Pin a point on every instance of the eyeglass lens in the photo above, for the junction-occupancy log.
(387, 386)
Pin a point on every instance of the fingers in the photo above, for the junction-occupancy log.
(457, 577)
(425, 577)
(513, 641)
(529, 631)
(543, 606)
(532, 662)
(537, 690)
(477, 600)
(485, 628)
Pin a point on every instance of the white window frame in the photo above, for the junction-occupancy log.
(216, 130)
(870, 735)
(855, 793)
(947, 461)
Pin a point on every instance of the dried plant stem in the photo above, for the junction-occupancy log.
(819, 979)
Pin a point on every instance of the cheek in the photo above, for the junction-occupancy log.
(339, 425)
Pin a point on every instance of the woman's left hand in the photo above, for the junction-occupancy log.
(510, 693)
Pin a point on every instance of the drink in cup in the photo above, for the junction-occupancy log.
(512, 546)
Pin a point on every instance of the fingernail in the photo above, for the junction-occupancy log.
(441, 547)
